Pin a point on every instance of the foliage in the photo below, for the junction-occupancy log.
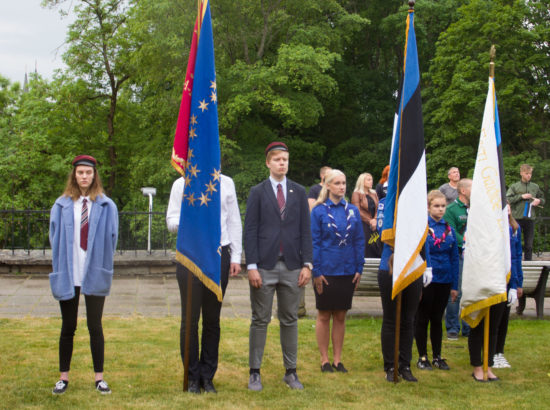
(321, 75)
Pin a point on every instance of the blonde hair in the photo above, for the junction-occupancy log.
(435, 194)
(72, 189)
(273, 152)
(324, 191)
(360, 184)
(525, 168)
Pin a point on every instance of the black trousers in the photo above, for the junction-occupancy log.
(502, 330)
(475, 338)
(528, 233)
(430, 311)
(69, 316)
(203, 299)
(409, 305)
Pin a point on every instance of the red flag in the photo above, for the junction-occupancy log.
(181, 138)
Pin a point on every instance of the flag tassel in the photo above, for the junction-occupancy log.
(397, 337)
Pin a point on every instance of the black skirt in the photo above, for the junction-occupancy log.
(337, 295)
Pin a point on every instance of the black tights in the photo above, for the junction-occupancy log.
(430, 311)
(69, 315)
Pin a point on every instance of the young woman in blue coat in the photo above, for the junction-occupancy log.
(338, 249)
(443, 249)
(514, 288)
(83, 236)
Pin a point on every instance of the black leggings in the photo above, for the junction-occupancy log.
(475, 338)
(430, 311)
(409, 305)
(503, 329)
(69, 315)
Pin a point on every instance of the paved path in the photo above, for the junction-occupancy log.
(155, 296)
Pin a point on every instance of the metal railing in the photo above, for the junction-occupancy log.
(28, 230)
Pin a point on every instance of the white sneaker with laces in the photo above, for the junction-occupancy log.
(503, 362)
(103, 387)
(497, 361)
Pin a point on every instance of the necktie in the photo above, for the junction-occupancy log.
(84, 226)
(281, 200)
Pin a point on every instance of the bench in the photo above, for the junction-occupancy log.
(535, 276)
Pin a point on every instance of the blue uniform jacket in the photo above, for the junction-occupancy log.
(516, 277)
(102, 238)
(330, 259)
(444, 258)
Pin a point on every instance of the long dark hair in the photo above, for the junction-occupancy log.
(72, 189)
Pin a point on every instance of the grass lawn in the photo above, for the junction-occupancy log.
(144, 370)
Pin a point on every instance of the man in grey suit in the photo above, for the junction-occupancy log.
(278, 249)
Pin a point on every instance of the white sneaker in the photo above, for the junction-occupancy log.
(497, 361)
(503, 362)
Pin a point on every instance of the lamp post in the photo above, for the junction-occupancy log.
(150, 192)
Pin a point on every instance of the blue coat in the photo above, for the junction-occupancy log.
(444, 258)
(102, 238)
(330, 259)
(516, 277)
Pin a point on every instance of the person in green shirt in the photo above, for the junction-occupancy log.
(456, 216)
(524, 196)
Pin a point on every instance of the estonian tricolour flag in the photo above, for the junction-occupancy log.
(405, 225)
(487, 241)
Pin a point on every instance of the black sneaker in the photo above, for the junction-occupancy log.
(405, 373)
(389, 375)
(327, 368)
(424, 364)
(60, 387)
(193, 386)
(208, 386)
(102, 387)
(440, 363)
(340, 368)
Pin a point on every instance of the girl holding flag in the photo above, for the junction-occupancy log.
(442, 245)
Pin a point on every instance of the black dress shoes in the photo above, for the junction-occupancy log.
(194, 387)
(208, 386)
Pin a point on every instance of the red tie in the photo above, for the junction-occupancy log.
(281, 200)
(84, 226)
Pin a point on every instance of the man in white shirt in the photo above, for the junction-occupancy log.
(202, 369)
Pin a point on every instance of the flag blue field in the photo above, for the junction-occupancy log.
(199, 234)
(487, 259)
(405, 225)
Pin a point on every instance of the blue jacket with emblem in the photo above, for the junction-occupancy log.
(444, 256)
(330, 257)
(102, 239)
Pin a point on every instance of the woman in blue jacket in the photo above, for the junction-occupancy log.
(338, 249)
(514, 288)
(443, 250)
(83, 236)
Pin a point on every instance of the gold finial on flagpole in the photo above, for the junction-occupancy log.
(493, 54)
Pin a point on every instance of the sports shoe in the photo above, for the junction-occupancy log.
(500, 362)
(389, 375)
(340, 368)
(102, 387)
(406, 374)
(60, 387)
(327, 368)
(292, 381)
(423, 363)
(452, 336)
(255, 382)
(440, 363)
(208, 386)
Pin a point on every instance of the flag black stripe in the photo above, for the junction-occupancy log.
(411, 143)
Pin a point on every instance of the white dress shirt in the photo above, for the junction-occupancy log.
(79, 254)
(230, 218)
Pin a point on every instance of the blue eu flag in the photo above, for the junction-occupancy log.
(198, 245)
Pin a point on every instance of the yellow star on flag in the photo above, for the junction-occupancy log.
(213, 97)
(193, 120)
(216, 174)
(213, 85)
(210, 187)
(204, 199)
(193, 170)
(203, 105)
(192, 133)
(191, 198)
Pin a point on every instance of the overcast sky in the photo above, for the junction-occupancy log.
(30, 34)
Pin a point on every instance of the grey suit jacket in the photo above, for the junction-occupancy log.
(265, 230)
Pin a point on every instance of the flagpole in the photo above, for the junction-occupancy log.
(397, 336)
(486, 346)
